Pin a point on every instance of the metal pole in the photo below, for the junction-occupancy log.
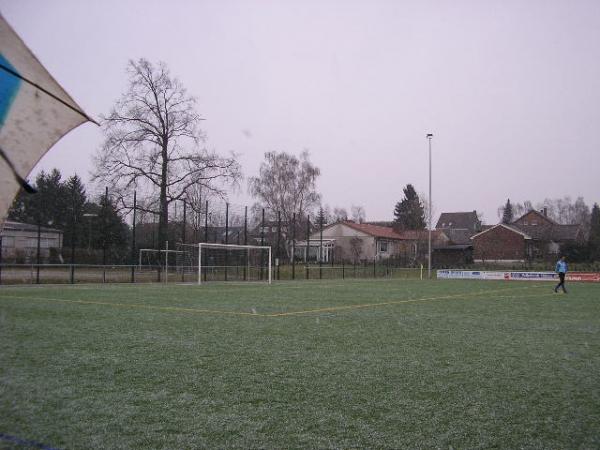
(321, 246)
(246, 271)
(133, 238)
(104, 217)
(262, 243)
(205, 234)
(39, 237)
(277, 253)
(183, 240)
(226, 236)
(307, 254)
(294, 246)
(73, 236)
(166, 262)
(429, 136)
(199, 264)
(184, 221)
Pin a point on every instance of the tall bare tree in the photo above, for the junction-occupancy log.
(286, 184)
(153, 142)
(358, 213)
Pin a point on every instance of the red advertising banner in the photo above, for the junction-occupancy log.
(583, 276)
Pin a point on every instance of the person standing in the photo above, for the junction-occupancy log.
(561, 270)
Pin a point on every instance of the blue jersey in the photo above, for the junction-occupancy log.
(561, 266)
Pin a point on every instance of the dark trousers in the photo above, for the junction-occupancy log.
(561, 275)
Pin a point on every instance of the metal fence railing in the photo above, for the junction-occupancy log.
(19, 274)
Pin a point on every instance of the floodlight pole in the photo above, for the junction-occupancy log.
(429, 136)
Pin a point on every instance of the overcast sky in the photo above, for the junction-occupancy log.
(510, 89)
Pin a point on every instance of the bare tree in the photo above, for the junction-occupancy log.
(286, 184)
(358, 213)
(153, 142)
(356, 248)
(340, 214)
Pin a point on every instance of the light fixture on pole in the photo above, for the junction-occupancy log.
(429, 137)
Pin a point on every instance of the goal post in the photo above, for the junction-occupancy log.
(229, 262)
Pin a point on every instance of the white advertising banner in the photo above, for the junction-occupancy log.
(511, 275)
(495, 275)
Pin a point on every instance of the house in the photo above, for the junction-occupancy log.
(356, 242)
(20, 242)
(532, 236)
(459, 227)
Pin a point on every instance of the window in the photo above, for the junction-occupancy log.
(8, 241)
(383, 247)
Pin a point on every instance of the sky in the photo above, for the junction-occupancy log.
(509, 89)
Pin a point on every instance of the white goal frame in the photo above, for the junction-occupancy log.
(202, 245)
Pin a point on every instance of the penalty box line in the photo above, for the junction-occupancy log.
(272, 315)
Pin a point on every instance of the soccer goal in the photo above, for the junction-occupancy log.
(226, 262)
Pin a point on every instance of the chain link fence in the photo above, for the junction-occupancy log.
(113, 244)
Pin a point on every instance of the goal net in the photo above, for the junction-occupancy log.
(225, 262)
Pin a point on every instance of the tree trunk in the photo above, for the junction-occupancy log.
(163, 218)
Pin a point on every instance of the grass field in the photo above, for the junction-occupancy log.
(329, 364)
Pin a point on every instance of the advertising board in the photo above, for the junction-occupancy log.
(517, 276)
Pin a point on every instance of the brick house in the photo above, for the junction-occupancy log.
(532, 236)
(501, 243)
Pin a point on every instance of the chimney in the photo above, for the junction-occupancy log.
(545, 211)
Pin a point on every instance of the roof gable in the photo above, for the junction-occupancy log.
(459, 220)
(535, 216)
(508, 227)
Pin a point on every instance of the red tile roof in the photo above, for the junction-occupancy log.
(389, 233)
(374, 230)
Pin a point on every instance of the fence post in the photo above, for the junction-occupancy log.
(321, 245)
(39, 238)
(133, 244)
(374, 268)
(277, 253)
(205, 237)
(262, 243)
(294, 246)
(226, 237)
(105, 212)
(73, 234)
(307, 244)
(246, 240)
(183, 242)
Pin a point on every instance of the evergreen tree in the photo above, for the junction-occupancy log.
(48, 207)
(507, 215)
(321, 218)
(409, 213)
(594, 239)
(111, 233)
(74, 233)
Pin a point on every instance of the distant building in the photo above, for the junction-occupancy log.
(20, 242)
(532, 236)
(357, 242)
(459, 227)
